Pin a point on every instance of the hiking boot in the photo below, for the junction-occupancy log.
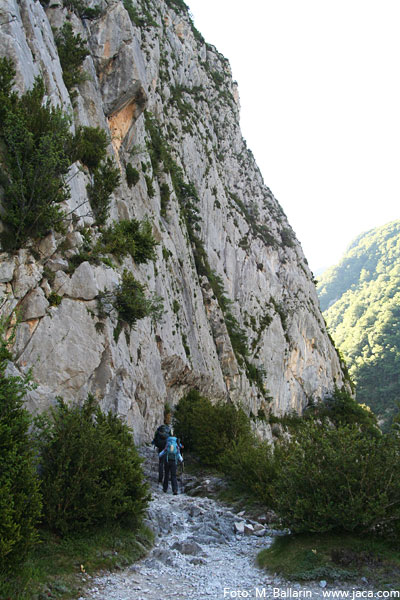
(175, 493)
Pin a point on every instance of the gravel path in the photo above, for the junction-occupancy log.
(198, 555)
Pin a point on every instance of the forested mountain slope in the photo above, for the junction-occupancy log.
(360, 298)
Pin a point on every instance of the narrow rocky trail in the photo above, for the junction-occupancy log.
(199, 554)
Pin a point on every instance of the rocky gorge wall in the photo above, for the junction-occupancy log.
(152, 82)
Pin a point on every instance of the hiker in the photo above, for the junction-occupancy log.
(160, 439)
(171, 455)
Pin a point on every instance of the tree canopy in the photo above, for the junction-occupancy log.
(360, 298)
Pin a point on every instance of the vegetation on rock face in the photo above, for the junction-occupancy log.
(37, 151)
(90, 144)
(188, 199)
(131, 302)
(89, 147)
(361, 298)
(35, 157)
(178, 5)
(132, 175)
(105, 179)
(132, 238)
(82, 10)
(72, 51)
(140, 14)
(122, 238)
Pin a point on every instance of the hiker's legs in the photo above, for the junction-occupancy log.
(166, 473)
(172, 467)
(160, 467)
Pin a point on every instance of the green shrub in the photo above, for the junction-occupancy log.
(150, 187)
(90, 145)
(176, 306)
(7, 97)
(165, 194)
(105, 179)
(132, 12)
(54, 299)
(20, 500)
(179, 5)
(338, 479)
(250, 467)
(130, 237)
(72, 51)
(132, 175)
(288, 237)
(257, 375)
(35, 156)
(130, 301)
(208, 430)
(90, 470)
(184, 418)
(141, 20)
(82, 10)
(342, 409)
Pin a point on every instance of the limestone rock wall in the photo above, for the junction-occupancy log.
(156, 66)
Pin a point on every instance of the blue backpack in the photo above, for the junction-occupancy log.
(172, 449)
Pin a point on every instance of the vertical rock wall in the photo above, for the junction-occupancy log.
(152, 72)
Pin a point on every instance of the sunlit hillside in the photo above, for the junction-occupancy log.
(360, 298)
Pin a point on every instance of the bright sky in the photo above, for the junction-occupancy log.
(319, 85)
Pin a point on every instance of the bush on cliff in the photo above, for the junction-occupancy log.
(20, 501)
(72, 51)
(35, 158)
(90, 470)
(134, 238)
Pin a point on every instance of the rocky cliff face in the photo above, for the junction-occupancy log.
(171, 110)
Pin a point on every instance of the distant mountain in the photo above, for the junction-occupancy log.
(360, 300)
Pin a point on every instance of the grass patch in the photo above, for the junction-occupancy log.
(58, 567)
(333, 556)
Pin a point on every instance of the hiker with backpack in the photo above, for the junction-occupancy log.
(160, 439)
(171, 455)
